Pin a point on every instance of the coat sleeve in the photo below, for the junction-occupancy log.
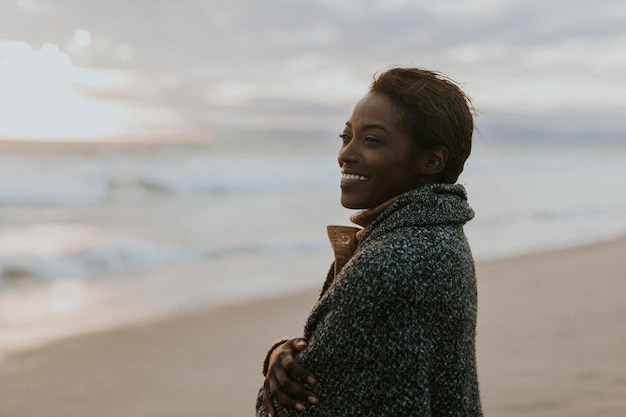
(370, 341)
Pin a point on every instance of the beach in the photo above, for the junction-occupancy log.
(551, 341)
(166, 187)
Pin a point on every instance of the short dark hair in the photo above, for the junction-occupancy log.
(433, 110)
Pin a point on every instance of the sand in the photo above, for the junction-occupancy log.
(551, 342)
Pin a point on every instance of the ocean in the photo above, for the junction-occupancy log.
(97, 235)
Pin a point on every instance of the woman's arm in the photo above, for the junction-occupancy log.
(369, 343)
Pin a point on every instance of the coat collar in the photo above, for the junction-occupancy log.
(344, 239)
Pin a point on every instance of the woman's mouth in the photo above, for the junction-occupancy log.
(349, 179)
(353, 177)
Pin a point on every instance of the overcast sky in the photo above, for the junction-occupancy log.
(174, 68)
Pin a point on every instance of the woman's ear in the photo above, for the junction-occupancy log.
(433, 160)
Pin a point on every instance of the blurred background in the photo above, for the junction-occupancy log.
(163, 155)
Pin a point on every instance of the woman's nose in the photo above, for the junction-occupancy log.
(347, 153)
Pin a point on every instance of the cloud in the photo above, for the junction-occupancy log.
(36, 95)
(556, 126)
(199, 59)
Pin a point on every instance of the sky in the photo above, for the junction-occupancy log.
(228, 69)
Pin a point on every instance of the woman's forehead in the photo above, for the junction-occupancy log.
(374, 110)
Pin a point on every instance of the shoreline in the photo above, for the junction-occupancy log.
(550, 342)
(98, 318)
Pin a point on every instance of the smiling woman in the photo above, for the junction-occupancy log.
(38, 99)
(393, 331)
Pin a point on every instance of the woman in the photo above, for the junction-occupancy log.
(393, 332)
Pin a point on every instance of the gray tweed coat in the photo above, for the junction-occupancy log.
(394, 334)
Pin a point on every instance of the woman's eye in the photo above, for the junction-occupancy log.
(345, 137)
(371, 139)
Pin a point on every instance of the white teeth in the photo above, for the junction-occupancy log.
(353, 177)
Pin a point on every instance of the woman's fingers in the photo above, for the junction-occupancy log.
(285, 378)
(287, 401)
(293, 367)
(267, 399)
(289, 394)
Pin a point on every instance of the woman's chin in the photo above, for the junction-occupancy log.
(352, 203)
(346, 203)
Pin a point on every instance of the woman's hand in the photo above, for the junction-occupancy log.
(284, 376)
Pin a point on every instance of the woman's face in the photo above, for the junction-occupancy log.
(378, 160)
